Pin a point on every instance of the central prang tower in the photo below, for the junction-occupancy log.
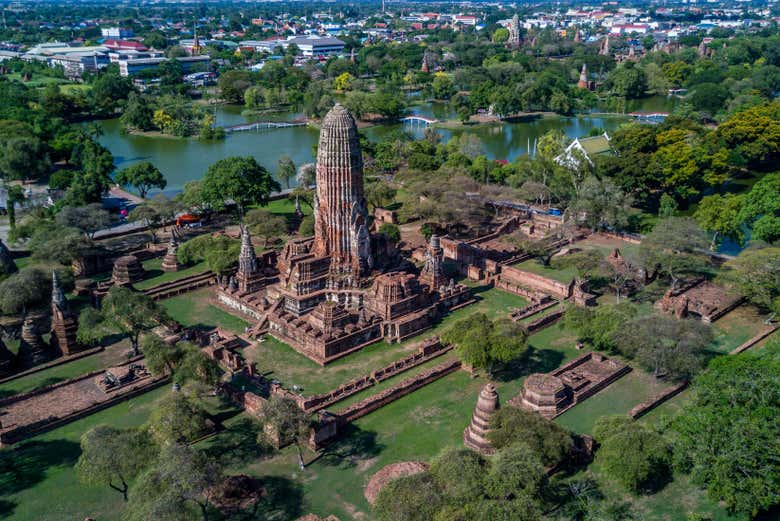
(340, 213)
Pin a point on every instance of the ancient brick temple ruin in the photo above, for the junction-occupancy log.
(64, 323)
(344, 288)
(476, 434)
(171, 260)
(553, 393)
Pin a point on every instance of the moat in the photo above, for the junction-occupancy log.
(183, 160)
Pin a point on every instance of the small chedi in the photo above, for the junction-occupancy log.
(32, 349)
(127, 270)
(64, 323)
(170, 262)
(553, 393)
(476, 434)
(344, 288)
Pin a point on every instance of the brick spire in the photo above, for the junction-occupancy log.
(58, 300)
(341, 215)
(247, 259)
(475, 435)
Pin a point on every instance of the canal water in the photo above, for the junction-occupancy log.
(182, 160)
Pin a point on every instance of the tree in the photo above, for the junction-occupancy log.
(130, 313)
(197, 366)
(160, 356)
(675, 248)
(52, 242)
(442, 87)
(598, 326)
(756, 274)
(14, 196)
(635, 456)
(114, 456)
(155, 213)
(94, 177)
(284, 422)
(669, 347)
(89, 219)
(138, 113)
(727, 438)
(23, 157)
(709, 97)
(379, 194)
(177, 418)
(240, 179)
(343, 81)
(516, 471)
(265, 224)
(500, 35)
(306, 228)
(459, 474)
(600, 204)
(142, 176)
(482, 343)
(628, 81)
(108, 90)
(179, 487)
(719, 214)
(761, 208)
(233, 84)
(286, 171)
(220, 253)
(410, 498)
(391, 230)
(547, 440)
(24, 290)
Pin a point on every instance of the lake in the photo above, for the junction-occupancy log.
(182, 160)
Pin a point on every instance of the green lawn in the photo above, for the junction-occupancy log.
(37, 480)
(155, 275)
(564, 275)
(737, 327)
(112, 355)
(196, 309)
(618, 398)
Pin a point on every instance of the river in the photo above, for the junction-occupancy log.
(182, 160)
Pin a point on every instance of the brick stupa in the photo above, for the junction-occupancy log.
(32, 349)
(64, 323)
(476, 434)
(127, 270)
(171, 260)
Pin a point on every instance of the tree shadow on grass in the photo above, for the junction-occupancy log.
(237, 444)
(283, 499)
(354, 445)
(534, 361)
(24, 466)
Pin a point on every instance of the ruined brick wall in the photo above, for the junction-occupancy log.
(399, 390)
(536, 282)
(647, 406)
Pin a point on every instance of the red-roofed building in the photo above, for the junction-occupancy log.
(125, 45)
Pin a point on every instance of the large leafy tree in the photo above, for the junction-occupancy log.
(24, 290)
(89, 219)
(126, 312)
(411, 498)
(600, 205)
(286, 170)
(675, 248)
(114, 457)
(550, 442)
(179, 487)
(481, 342)
(178, 417)
(220, 253)
(598, 326)
(756, 273)
(23, 157)
(284, 420)
(761, 208)
(669, 347)
(143, 177)
(719, 215)
(265, 224)
(633, 454)
(727, 438)
(240, 179)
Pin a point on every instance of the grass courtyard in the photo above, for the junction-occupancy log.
(155, 275)
(197, 309)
